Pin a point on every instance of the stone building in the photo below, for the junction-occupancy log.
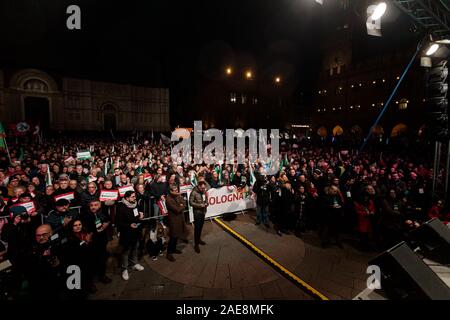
(80, 104)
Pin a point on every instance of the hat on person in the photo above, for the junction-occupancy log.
(317, 171)
(17, 210)
(63, 177)
(62, 203)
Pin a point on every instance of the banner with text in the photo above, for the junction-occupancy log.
(224, 200)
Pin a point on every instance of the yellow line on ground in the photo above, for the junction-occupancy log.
(266, 257)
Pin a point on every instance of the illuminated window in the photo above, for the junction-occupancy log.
(233, 97)
(403, 104)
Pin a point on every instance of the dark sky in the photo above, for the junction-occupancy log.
(175, 43)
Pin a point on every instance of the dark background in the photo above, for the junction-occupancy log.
(179, 44)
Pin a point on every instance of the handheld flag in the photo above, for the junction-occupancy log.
(49, 177)
(252, 175)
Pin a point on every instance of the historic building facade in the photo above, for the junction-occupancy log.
(352, 89)
(79, 104)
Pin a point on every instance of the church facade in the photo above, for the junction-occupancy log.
(79, 104)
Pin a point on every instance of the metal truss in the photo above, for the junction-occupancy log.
(432, 15)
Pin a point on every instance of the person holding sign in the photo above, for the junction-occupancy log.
(109, 197)
(65, 191)
(33, 210)
(176, 206)
(199, 202)
(128, 221)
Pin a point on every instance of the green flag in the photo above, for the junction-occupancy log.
(193, 179)
(218, 169)
(252, 175)
(21, 154)
(232, 173)
(2, 137)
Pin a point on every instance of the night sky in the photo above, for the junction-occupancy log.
(179, 43)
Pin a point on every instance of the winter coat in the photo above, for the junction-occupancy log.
(176, 206)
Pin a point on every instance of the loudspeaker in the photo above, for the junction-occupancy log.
(404, 276)
(433, 238)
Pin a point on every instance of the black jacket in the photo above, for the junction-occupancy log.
(262, 190)
(125, 216)
(158, 189)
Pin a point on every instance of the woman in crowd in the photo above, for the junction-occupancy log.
(79, 252)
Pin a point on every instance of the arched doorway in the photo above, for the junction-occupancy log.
(399, 130)
(109, 117)
(37, 111)
(36, 89)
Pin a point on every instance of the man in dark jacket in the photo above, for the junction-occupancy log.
(97, 223)
(199, 202)
(261, 189)
(67, 191)
(90, 194)
(59, 218)
(175, 205)
(128, 220)
(158, 190)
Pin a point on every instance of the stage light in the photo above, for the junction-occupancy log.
(432, 49)
(229, 71)
(248, 75)
(277, 79)
(380, 10)
(443, 41)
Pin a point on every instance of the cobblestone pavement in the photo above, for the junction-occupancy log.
(226, 269)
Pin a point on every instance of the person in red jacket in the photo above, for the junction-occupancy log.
(436, 211)
(365, 210)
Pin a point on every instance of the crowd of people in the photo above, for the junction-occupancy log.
(60, 210)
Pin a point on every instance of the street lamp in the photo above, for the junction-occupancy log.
(248, 75)
(277, 80)
(229, 71)
(380, 10)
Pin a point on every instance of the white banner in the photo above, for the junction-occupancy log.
(69, 196)
(225, 199)
(122, 190)
(29, 206)
(109, 195)
(83, 155)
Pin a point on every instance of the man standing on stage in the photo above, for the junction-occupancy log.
(199, 202)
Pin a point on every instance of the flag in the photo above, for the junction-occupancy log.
(64, 150)
(140, 169)
(49, 177)
(112, 150)
(232, 173)
(165, 139)
(2, 137)
(252, 175)
(193, 178)
(134, 147)
(218, 169)
(284, 162)
(21, 155)
(106, 166)
(162, 207)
